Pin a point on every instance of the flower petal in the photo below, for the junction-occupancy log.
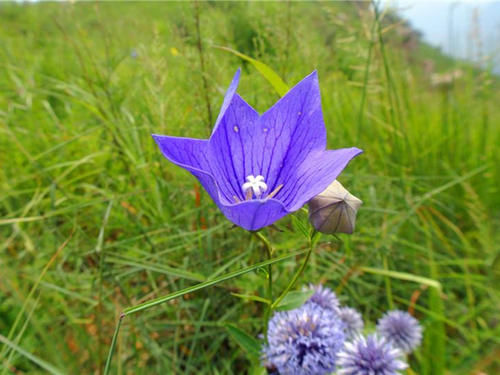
(231, 147)
(191, 154)
(293, 127)
(245, 144)
(228, 97)
(185, 152)
(254, 214)
(286, 145)
(313, 176)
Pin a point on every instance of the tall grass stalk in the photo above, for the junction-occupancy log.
(84, 85)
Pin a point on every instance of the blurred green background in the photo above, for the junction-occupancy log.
(93, 219)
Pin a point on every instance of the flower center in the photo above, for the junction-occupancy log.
(255, 185)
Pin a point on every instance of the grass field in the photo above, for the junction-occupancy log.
(94, 220)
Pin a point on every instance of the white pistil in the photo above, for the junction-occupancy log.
(255, 185)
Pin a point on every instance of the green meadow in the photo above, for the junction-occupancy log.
(94, 220)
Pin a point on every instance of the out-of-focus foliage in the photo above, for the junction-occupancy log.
(82, 87)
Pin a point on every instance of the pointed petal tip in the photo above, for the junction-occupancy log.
(156, 137)
(357, 150)
(230, 93)
(236, 78)
(313, 76)
(160, 138)
(353, 151)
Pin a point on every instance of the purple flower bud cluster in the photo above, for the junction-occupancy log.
(400, 329)
(353, 321)
(370, 356)
(322, 336)
(381, 353)
(305, 341)
(324, 297)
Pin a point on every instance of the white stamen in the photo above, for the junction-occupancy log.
(256, 184)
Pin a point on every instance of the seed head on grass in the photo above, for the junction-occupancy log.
(304, 341)
(370, 356)
(401, 329)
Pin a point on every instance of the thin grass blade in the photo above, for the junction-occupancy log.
(205, 284)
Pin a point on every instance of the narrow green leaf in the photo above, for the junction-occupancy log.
(435, 333)
(248, 343)
(20, 314)
(251, 297)
(435, 337)
(270, 75)
(46, 366)
(205, 284)
(113, 344)
(67, 292)
(257, 369)
(300, 226)
(495, 269)
(404, 276)
(294, 299)
(155, 267)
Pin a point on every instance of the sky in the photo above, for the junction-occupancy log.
(466, 29)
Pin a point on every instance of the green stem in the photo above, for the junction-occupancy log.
(157, 301)
(199, 46)
(299, 272)
(365, 81)
(269, 251)
(113, 344)
(388, 288)
(205, 284)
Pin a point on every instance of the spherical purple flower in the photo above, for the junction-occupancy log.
(370, 356)
(401, 329)
(324, 297)
(304, 341)
(353, 322)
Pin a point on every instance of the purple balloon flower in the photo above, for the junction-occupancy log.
(259, 168)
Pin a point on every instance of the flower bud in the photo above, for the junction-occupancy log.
(334, 210)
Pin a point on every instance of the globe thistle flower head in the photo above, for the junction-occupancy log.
(370, 356)
(323, 297)
(353, 322)
(304, 341)
(401, 329)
